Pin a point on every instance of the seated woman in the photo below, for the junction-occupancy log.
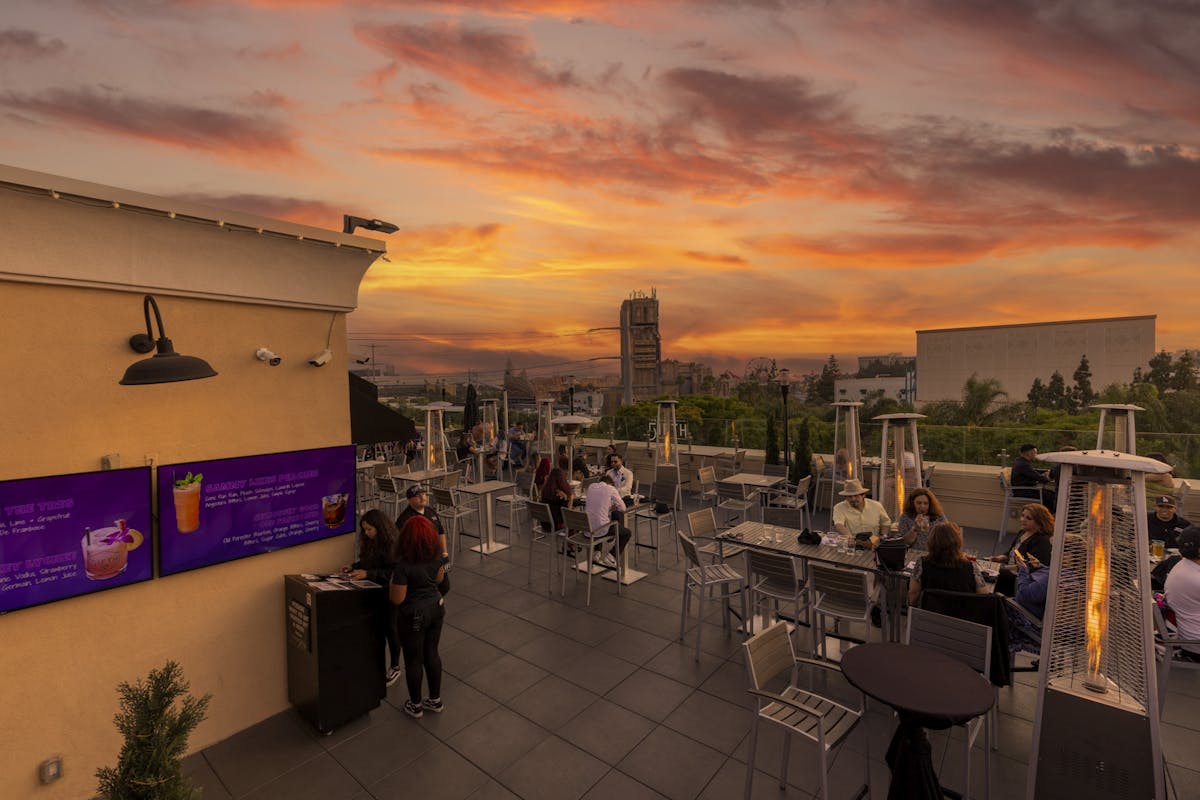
(921, 514)
(1033, 582)
(556, 491)
(945, 567)
(609, 452)
(1036, 528)
(539, 475)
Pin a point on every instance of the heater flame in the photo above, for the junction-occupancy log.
(849, 468)
(667, 446)
(1097, 587)
(899, 491)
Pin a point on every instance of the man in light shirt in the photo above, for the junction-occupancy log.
(859, 516)
(1182, 591)
(604, 505)
(621, 477)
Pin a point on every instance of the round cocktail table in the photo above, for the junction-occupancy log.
(927, 689)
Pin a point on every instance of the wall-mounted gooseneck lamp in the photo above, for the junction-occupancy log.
(165, 366)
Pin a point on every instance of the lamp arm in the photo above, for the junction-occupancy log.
(149, 302)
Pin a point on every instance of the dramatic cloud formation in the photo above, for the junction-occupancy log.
(794, 178)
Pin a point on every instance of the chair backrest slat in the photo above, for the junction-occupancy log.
(965, 641)
(541, 513)
(779, 570)
(689, 548)
(731, 491)
(844, 585)
(702, 522)
(707, 477)
(783, 516)
(768, 655)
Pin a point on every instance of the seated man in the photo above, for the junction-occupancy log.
(1024, 475)
(858, 515)
(604, 505)
(1183, 590)
(1164, 523)
(621, 477)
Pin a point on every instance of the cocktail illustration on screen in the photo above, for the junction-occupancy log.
(333, 509)
(187, 502)
(106, 550)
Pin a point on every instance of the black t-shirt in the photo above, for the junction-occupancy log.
(430, 514)
(1039, 546)
(958, 578)
(421, 580)
(1167, 531)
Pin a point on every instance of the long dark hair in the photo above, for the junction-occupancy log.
(1041, 517)
(945, 545)
(935, 508)
(385, 535)
(418, 541)
(555, 481)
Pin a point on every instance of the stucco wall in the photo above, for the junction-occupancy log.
(62, 409)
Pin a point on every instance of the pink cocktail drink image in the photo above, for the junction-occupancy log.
(105, 553)
(187, 507)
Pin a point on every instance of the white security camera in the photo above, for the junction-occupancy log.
(322, 358)
(264, 354)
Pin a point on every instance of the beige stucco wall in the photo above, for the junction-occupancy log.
(62, 409)
(1016, 354)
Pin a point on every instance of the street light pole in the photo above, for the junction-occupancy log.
(784, 387)
(571, 389)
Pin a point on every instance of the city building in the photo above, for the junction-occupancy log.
(641, 347)
(887, 364)
(684, 377)
(893, 386)
(1016, 354)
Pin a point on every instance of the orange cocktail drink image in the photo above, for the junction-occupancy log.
(187, 506)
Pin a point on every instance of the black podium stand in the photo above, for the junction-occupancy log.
(335, 655)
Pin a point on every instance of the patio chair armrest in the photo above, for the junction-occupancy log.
(778, 698)
(812, 662)
(1176, 642)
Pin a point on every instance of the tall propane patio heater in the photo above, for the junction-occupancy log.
(1124, 430)
(1095, 732)
(898, 441)
(491, 421)
(435, 435)
(544, 443)
(846, 436)
(666, 439)
(571, 425)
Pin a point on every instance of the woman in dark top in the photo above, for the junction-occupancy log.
(921, 514)
(417, 585)
(376, 541)
(945, 567)
(539, 475)
(1033, 539)
(556, 491)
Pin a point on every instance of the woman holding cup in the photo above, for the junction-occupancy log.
(921, 513)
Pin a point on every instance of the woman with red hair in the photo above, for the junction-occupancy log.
(418, 583)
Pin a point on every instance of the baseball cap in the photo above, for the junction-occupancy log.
(1165, 500)
(414, 490)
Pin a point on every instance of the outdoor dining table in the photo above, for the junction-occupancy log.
(421, 475)
(755, 480)
(486, 490)
(927, 689)
(776, 538)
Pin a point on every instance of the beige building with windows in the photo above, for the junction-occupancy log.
(1016, 354)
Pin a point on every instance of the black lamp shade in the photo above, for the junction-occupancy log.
(166, 366)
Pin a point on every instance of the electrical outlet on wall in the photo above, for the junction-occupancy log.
(110, 461)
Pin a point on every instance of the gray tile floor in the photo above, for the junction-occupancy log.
(549, 700)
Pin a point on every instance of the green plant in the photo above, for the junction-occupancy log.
(156, 733)
(189, 478)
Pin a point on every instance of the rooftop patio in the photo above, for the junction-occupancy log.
(548, 699)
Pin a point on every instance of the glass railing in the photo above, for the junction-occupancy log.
(957, 444)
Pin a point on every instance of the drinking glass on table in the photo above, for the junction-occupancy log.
(1157, 548)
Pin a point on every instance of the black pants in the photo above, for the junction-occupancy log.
(420, 632)
(385, 620)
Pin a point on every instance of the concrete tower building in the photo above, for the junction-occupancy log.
(641, 347)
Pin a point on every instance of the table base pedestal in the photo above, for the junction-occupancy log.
(487, 548)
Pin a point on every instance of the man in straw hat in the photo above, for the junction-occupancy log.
(859, 516)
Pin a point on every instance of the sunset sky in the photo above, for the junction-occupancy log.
(794, 178)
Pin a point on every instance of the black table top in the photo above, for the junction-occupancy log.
(918, 681)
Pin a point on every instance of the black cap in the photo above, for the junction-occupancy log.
(1190, 537)
(1165, 500)
(414, 490)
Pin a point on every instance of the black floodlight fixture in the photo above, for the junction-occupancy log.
(349, 223)
(165, 366)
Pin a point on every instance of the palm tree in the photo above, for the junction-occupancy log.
(979, 397)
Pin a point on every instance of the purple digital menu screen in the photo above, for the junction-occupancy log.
(67, 535)
(216, 511)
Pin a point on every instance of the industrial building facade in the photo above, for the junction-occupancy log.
(1016, 354)
(641, 348)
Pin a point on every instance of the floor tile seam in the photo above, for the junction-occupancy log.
(216, 774)
(408, 761)
(480, 767)
(287, 772)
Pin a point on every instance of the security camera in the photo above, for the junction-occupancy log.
(264, 354)
(322, 358)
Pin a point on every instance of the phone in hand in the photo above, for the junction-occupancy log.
(1017, 555)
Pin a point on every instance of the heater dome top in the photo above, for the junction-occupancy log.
(901, 415)
(1107, 458)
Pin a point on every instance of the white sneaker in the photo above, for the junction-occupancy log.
(607, 560)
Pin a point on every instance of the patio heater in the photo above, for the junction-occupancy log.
(435, 435)
(899, 440)
(846, 437)
(504, 401)
(544, 444)
(1124, 431)
(1096, 731)
(666, 438)
(491, 422)
(571, 425)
